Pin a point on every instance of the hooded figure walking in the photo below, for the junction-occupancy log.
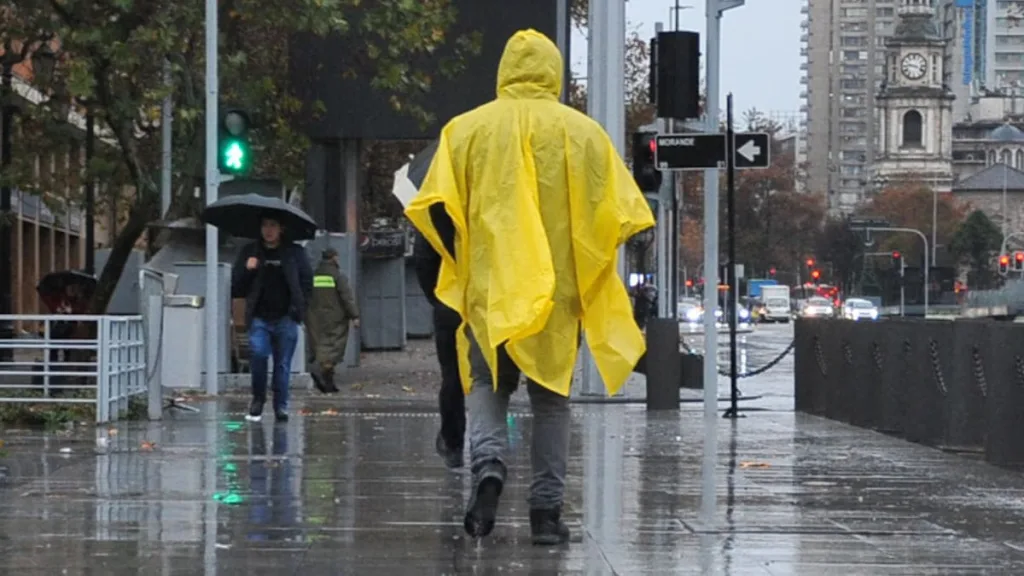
(539, 201)
(331, 308)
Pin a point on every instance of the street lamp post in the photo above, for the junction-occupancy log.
(6, 218)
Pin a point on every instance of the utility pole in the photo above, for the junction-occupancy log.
(212, 182)
(714, 9)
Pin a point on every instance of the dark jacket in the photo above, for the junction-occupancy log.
(297, 271)
(428, 267)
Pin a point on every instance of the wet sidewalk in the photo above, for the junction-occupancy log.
(356, 489)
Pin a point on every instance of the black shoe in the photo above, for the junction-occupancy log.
(329, 387)
(452, 457)
(318, 381)
(547, 528)
(255, 411)
(483, 507)
(281, 415)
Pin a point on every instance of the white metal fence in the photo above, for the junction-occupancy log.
(76, 359)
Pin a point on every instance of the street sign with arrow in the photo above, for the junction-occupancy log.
(753, 150)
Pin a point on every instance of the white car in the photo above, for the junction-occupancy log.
(859, 309)
(690, 311)
(817, 307)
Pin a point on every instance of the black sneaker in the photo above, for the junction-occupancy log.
(281, 415)
(452, 457)
(255, 411)
(483, 507)
(547, 528)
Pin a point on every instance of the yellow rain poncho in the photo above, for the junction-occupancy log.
(540, 201)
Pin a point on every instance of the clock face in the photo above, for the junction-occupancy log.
(914, 66)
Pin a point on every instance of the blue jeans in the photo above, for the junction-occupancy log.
(277, 338)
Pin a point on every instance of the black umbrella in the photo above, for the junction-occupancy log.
(58, 282)
(242, 216)
(410, 177)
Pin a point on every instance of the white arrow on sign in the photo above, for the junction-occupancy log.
(749, 150)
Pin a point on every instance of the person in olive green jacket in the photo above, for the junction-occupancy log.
(331, 309)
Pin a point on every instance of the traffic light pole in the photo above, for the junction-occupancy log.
(212, 307)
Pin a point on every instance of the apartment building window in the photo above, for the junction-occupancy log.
(1009, 58)
(854, 99)
(885, 12)
(912, 133)
(852, 127)
(851, 170)
(853, 41)
(853, 12)
(855, 55)
(854, 141)
(852, 156)
(853, 26)
(854, 112)
(853, 84)
(1006, 40)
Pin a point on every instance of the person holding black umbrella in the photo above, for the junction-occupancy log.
(276, 280)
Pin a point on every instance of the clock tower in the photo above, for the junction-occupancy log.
(915, 109)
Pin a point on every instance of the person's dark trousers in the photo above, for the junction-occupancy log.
(451, 401)
(277, 338)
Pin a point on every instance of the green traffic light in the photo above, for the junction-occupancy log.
(234, 155)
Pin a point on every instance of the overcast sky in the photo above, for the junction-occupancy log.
(760, 48)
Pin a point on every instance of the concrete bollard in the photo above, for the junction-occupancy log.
(1005, 401)
(663, 364)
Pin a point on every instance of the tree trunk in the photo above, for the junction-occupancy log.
(145, 210)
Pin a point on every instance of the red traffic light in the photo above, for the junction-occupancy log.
(653, 145)
(689, 283)
(1004, 260)
(1019, 256)
(816, 274)
(810, 262)
(896, 255)
(771, 271)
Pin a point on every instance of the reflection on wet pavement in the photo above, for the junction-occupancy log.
(357, 489)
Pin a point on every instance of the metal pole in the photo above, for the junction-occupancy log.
(606, 104)
(903, 272)
(927, 263)
(730, 178)
(7, 222)
(90, 195)
(714, 23)
(166, 120)
(935, 221)
(212, 182)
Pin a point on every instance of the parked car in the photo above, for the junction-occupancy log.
(859, 309)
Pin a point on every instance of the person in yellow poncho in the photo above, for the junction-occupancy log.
(527, 201)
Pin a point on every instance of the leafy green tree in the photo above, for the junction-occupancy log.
(110, 61)
(975, 243)
(843, 247)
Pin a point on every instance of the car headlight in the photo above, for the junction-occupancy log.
(693, 314)
(744, 313)
(874, 314)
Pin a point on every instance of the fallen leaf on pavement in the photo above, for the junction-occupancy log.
(330, 412)
(112, 431)
(305, 412)
(407, 389)
(147, 446)
(357, 386)
(755, 465)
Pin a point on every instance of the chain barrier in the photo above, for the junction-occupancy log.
(979, 371)
(933, 355)
(751, 373)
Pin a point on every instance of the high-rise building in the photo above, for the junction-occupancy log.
(844, 50)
